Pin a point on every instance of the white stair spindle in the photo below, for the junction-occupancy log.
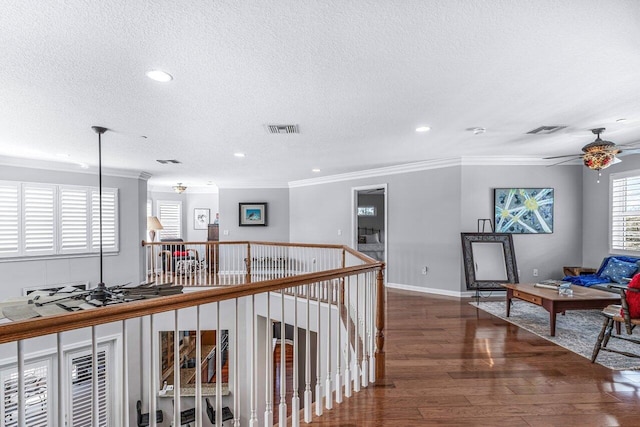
(329, 386)
(365, 336)
(347, 369)
(253, 420)
(295, 400)
(356, 321)
(153, 363)
(319, 358)
(218, 367)
(125, 374)
(60, 368)
(21, 400)
(282, 419)
(95, 403)
(198, 402)
(176, 370)
(339, 324)
(236, 370)
(268, 411)
(307, 366)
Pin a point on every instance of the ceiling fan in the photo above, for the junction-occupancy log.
(597, 155)
(68, 299)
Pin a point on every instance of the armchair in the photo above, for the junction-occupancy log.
(619, 315)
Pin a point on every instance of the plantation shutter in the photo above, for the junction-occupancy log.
(625, 213)
(36, 402)
(81, 389)
(9, 219)
(74, 227)
(38, 222)
(170, 216)
(109, 220)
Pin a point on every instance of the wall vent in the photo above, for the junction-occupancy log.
(172, 161)
(282, 129)
(545, 130)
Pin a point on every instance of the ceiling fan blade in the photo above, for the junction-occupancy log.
(560, 157)
(629, 152)
(564, 161)
(20, 312)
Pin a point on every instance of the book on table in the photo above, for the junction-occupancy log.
(550, 284)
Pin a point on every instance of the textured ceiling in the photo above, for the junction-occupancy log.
(358, 77)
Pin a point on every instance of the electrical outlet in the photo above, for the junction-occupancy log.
(225, 232)
(424, 270)
(339, 232)
(535, 272)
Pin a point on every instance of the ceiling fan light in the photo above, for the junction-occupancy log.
(179, 188)
(598, 160)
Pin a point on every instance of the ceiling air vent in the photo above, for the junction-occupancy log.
(545, 130)
(172, 161)
(283, 129)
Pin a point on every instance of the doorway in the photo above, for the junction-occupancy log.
(370, 230)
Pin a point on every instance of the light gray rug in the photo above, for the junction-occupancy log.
(576, 331)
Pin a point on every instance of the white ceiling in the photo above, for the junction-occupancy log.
(357, 76)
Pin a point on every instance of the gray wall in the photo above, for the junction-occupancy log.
(190, 201)
(429, 209)
(546, 252)
(596, 210)
(126, 266)
(277, 229)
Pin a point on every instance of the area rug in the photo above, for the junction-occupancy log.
(576, 331)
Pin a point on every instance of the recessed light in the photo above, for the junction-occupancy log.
(159, 76)
(423, 129)
(239, 154)
(315, 170)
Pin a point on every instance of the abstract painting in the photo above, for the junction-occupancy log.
(523, 210)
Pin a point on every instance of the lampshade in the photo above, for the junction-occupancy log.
(598, 160)
(179, 188)
(153, 223)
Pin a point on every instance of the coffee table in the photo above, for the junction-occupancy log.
(582, 299)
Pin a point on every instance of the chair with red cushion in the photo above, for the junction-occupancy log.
(627, 314)
(173, 252)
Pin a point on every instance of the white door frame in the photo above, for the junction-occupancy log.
(354, 219)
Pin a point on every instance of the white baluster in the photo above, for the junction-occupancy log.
(198, 370)
(268, 411)
(329, 386)
(295, 400)
(236, 376)
(365, 337)
(339, 344)
(21, 401)
(347, 371)
(372, 311)
(356, 321)
(253, 421)
(307, 365)
(176, 371)
(125, 374)
(282, 419)
(319, 359)
(153, 363)
(218, 367)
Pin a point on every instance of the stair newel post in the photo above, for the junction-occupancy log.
(248, 263)
(380, 313)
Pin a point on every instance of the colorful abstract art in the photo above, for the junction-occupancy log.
(523, 210)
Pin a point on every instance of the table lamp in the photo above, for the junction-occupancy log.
(153, 224)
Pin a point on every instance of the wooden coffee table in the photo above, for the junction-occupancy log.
(582, 299)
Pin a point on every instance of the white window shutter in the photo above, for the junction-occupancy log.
(81, 389)
(74, 225)
(39, 219)
(625, 214)
(36, 395)
(170, 216)
(9, 219)
(109, 220)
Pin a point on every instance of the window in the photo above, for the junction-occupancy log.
(38, 410)
(170, 216)
(625, 212)
(80, 392)
(41, 219)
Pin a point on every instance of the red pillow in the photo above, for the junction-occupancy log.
(633, 298)
(181, 253)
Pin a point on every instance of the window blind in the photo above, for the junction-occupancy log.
(36, 402)
(81, 389)
(9, 219)
(74, 235)
(625, 214)
(39, 226)
(170, 216)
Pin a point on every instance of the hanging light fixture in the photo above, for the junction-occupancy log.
(179, 188)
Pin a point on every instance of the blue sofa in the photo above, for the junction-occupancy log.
(600, 280)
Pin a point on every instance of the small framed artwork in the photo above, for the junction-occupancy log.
(253, 214)
(200, 218)
(523, 210)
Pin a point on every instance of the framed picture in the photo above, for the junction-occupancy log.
(200, 218)
(523, 210)
(253, 214)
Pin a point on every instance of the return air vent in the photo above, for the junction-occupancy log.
(283, 129)
(545, 130)
(172, 161)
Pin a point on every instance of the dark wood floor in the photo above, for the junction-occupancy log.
(451, 364)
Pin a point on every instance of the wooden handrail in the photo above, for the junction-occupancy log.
(32, 328)
(245, 242)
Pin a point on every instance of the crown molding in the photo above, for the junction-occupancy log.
(427, 165)
(20, 162)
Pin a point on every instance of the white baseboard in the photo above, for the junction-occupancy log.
(434, 291)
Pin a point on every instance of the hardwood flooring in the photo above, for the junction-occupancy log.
(451, 364)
